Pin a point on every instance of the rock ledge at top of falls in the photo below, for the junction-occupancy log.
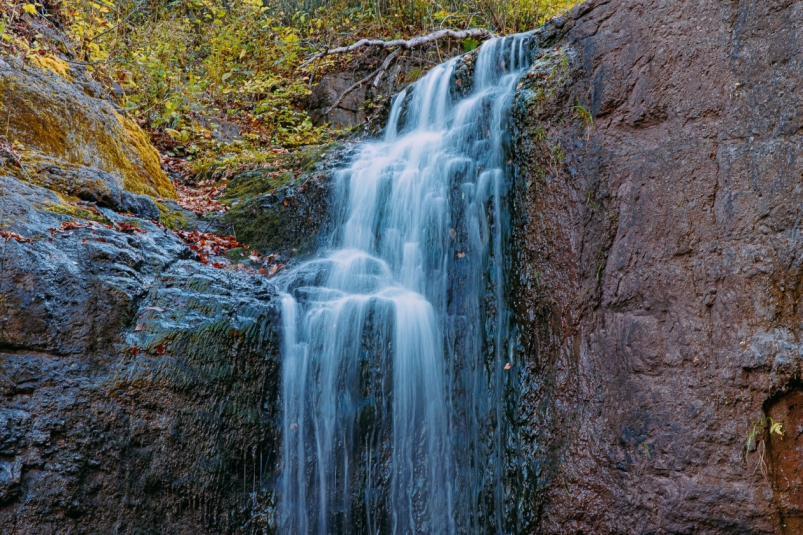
(659, 269)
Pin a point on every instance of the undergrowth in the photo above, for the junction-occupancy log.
(217, 82)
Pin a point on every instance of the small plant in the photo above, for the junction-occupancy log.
(539, 134)
(773, 427)
(584, 116)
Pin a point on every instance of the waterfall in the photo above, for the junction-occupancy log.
(397, 335)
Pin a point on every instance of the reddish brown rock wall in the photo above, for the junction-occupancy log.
(660, 261)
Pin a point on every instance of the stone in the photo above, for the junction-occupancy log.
(683, 195)
(60, 125)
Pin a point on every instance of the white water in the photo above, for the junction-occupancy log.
(395, 337)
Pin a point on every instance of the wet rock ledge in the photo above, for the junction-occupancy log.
(138, 386)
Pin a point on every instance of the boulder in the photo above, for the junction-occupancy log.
(74, 143)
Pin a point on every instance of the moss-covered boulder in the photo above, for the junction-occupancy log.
(72, 142)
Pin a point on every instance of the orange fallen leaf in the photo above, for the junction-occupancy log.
(6, 235)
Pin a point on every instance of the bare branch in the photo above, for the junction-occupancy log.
(377, 74)
(477, 33)
(385, 65)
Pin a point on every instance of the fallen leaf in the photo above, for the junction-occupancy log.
(157, 309)
(139, 327)
(6, 235)
(128, 229)
(507, 366)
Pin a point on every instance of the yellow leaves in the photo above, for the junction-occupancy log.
(30, 8)
(775, 428)
(101, 8)
(182, 136)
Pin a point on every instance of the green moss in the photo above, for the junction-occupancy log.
(415, 74)
(238, 254)
(260, 226)
(255, 182)
(172, 219)
(56, 122)
(75, 212)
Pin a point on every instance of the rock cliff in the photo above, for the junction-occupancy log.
(138, 385)
(658, 155)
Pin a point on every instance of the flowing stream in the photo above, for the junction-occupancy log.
(397, 336)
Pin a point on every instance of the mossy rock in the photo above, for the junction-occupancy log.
(57, 122)
(75, 212)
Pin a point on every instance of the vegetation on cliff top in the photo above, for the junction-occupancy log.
(220, 80)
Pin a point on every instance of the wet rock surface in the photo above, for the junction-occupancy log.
(659, 268)
(138, 387)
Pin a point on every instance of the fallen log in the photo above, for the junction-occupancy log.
(406, 44)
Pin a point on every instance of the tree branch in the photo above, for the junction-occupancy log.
(415, 42)
(384, 67)
(376, 74)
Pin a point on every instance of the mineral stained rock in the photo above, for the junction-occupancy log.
(658, 148)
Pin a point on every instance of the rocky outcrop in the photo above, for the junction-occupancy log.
(138, 387)
(65, 139)
(659, 267)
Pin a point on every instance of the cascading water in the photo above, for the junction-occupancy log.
(396, 337)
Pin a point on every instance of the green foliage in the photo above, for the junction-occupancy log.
(766, 423)
(180, 67)
(584, 116)
(470, 44)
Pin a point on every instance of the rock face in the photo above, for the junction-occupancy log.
(138, 387)
(659, 268)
